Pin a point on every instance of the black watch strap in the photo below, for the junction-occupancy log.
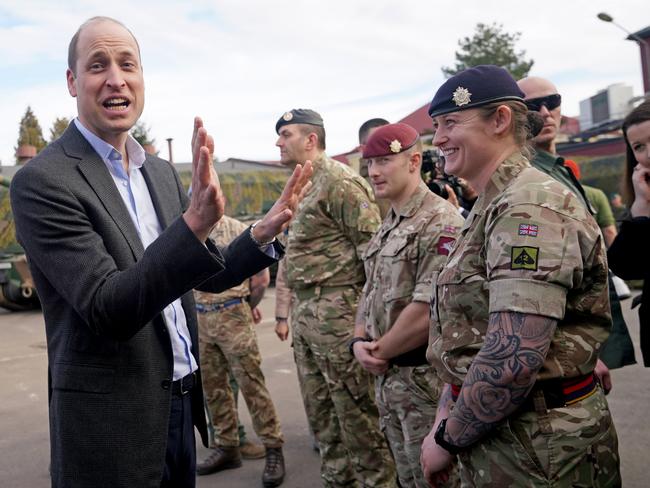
(354, 341)
(439, 437)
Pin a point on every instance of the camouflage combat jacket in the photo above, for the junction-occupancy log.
(402, 257)
(223, 234)
(331, 229)
(528, 246)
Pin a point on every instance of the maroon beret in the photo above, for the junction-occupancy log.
(390, 139)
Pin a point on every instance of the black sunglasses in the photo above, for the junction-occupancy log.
(550, 102)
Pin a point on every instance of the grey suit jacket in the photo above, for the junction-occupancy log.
(102, 296)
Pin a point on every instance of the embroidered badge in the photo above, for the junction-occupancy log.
(524, 257)
(461, 96)
(395, 146)
(445, 245)
(528, 230)
(287, 116)
(449, 229)
(364, 205)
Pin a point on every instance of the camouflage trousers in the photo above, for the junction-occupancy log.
(337, 393)
(407, 398)
(575, 446)
(227, 342)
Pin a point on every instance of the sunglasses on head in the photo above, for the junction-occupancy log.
(550, 102)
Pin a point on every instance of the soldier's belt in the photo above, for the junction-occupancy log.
(317, 291)
(555, 393)
(414, 357)
(213, 307)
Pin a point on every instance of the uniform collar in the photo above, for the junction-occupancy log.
(414, 203)
(501, 178)
(547, 160)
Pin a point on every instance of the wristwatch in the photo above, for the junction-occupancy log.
(354, 341)
(259, 244)
(439, 437)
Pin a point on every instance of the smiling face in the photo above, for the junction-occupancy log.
(464, 142)
(108, 83)
(638, 136)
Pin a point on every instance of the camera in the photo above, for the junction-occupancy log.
(436, 179)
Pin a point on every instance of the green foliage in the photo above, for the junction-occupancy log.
(605, 172)
(140, 133)
(248, 193)
(491, 45)
(29, 132)
(59, 126)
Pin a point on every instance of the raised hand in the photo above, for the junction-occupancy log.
(207, 202)
(277, 219)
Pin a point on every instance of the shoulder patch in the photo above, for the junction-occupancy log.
(524, 257)
(528, 230)
(445, 245)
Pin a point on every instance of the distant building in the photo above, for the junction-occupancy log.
(612, 103)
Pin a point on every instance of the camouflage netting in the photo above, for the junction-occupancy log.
(248, 194)
(8, 242)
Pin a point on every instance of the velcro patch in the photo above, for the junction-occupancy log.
(445, 245)
(524, 257)
(528, 230)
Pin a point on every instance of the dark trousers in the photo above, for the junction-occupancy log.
(180, 460)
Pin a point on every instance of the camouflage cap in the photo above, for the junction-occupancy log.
(390, 139)
(475, 87)
(299, 116)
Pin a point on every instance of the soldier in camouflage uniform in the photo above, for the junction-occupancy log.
(393, 319)
(520, 310)
(324, 271)
(227, 342)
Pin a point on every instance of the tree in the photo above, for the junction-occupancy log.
(59, 126)
(140, 133)
(491, 45)
(29, 132)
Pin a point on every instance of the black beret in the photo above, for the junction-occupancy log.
(299, 116)
(474, 87)
(390, 139)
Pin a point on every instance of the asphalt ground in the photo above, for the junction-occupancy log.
(24, 441)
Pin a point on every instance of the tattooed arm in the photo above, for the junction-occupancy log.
(501, 375)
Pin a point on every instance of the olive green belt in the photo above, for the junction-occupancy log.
(317, 291)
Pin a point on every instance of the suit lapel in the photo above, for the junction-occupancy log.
(163, 191)
(96, 174)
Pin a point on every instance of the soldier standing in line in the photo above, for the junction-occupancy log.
(392, 325)
(520, 309)
(365, 131)
(227, 343)
(324, 271)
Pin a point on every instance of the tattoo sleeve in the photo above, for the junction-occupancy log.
(501, 375)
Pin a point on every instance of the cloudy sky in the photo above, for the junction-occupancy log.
(241, 63)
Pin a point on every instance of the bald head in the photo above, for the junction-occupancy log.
(535, 87)
(72, 47)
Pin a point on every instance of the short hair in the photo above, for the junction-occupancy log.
(637, 116)
(72, 47)
(367, 126)
(306, 129)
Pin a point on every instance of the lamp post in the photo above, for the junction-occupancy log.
(643, 45)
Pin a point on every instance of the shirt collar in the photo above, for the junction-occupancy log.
(108, 153)
(501, 178)
(547, 160)
(414, 202)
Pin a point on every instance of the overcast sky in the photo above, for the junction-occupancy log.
(241, 63)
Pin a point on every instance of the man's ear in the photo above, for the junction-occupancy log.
(415, 162)
(311, 141)
(72, 82)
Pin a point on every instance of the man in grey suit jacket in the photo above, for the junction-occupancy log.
(115, 249)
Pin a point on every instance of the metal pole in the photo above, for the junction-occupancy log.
(169, 148)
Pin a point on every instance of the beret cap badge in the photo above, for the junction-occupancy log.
(287, 116)
(395, 146)
(461, 96)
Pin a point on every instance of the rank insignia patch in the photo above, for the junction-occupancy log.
(528, 230)
(445, 244)
(524, 257)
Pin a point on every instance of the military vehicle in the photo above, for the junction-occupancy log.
(17, 290)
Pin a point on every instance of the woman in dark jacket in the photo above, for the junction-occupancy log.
(628, 256)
